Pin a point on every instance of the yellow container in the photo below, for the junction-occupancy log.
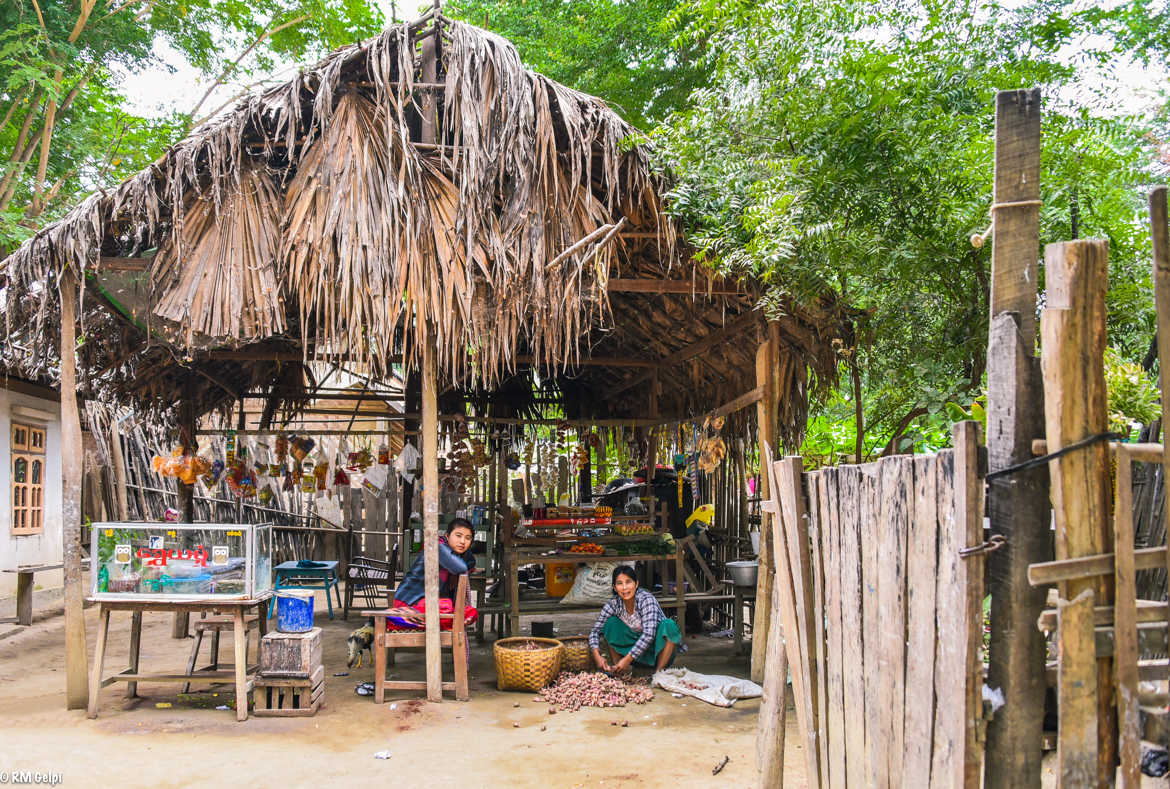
(558, 579)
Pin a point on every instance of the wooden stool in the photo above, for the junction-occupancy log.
(215, 625)
(288, 697)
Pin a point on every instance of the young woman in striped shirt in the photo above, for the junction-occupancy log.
(634, 628)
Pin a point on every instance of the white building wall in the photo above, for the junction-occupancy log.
(46, 547)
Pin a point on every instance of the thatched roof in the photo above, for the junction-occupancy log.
(328, 218)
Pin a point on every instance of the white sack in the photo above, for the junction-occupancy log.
(717, 689)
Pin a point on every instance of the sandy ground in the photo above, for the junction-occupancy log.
(669, 742)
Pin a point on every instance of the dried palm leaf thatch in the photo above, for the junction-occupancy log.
(216, 274)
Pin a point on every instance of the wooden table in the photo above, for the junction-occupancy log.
(325, 572)
(241, 673)
(515, 559)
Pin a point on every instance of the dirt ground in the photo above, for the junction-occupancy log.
(160, 740)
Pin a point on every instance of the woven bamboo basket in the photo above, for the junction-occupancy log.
(526, 669)
(577, 657)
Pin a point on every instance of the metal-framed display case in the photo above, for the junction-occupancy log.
(180, 561)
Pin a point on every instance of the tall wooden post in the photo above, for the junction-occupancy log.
(1073, 328)
(121, 499)
(430, 452)
(180, 622)
(1160, 236)
(76, 675)
(1019, 508)
(766, 363)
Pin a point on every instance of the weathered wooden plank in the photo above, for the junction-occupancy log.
(1125, 656)
(430, 454)
(828, 494)
(770, 736)
(968, 504)
(870, 538)
(1019, 511)
(948, 659)
(1078, 725)
(921, 575)
(895, 508)
(817, 545)
(770, 730)
(796, 535)
(852, 632)
(1072, 360)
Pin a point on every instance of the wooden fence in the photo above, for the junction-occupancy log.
(882, 620)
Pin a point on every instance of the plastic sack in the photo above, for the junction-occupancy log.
(717, 689)
(593, 584)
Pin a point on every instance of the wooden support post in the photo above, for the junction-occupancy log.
(430, 453)
(1160, 236)
(76, 680)
(180, 622)
(1018, 505)
(1073, 329)
(766, 425)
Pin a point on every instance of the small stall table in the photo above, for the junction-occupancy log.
(291, 575)
(241, 673)
(741, 594)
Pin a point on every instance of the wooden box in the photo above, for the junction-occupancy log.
(290, 654)
(288, 697)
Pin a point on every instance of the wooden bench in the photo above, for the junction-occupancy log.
(24, 588)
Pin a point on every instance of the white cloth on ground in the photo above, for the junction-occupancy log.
(717, 689)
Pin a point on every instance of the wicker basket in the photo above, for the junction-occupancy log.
(526, 669)
(577, 654)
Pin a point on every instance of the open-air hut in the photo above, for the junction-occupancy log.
(420, 200)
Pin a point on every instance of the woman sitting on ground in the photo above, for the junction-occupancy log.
(631, 623)
(455, 559)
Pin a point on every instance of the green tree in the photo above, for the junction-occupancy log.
(64, 129)
(624, 52)
(847, 146)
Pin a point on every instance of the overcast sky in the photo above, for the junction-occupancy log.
(1129, 89)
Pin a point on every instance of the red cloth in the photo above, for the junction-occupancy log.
(446, 606)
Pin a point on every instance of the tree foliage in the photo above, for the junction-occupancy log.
(628, 53)
(64, 124)
(848, 146)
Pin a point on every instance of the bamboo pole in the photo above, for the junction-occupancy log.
(1073, 348)
(76, 675)
(121, 496)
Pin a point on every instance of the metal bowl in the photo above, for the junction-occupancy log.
(743, 573)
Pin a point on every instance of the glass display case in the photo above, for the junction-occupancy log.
(180, 561)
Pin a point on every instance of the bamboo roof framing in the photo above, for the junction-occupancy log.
(330, 218)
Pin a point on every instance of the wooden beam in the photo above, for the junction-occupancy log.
(683, 287)
(766, 412)
(76, 659)
(106, 263)
(1160, 238)
(597, 361)
(1018, 507)
(1075, 407)
(714, 338)
(731, 406)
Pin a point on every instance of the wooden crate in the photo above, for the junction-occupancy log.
(290, 654)
(288, 697)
